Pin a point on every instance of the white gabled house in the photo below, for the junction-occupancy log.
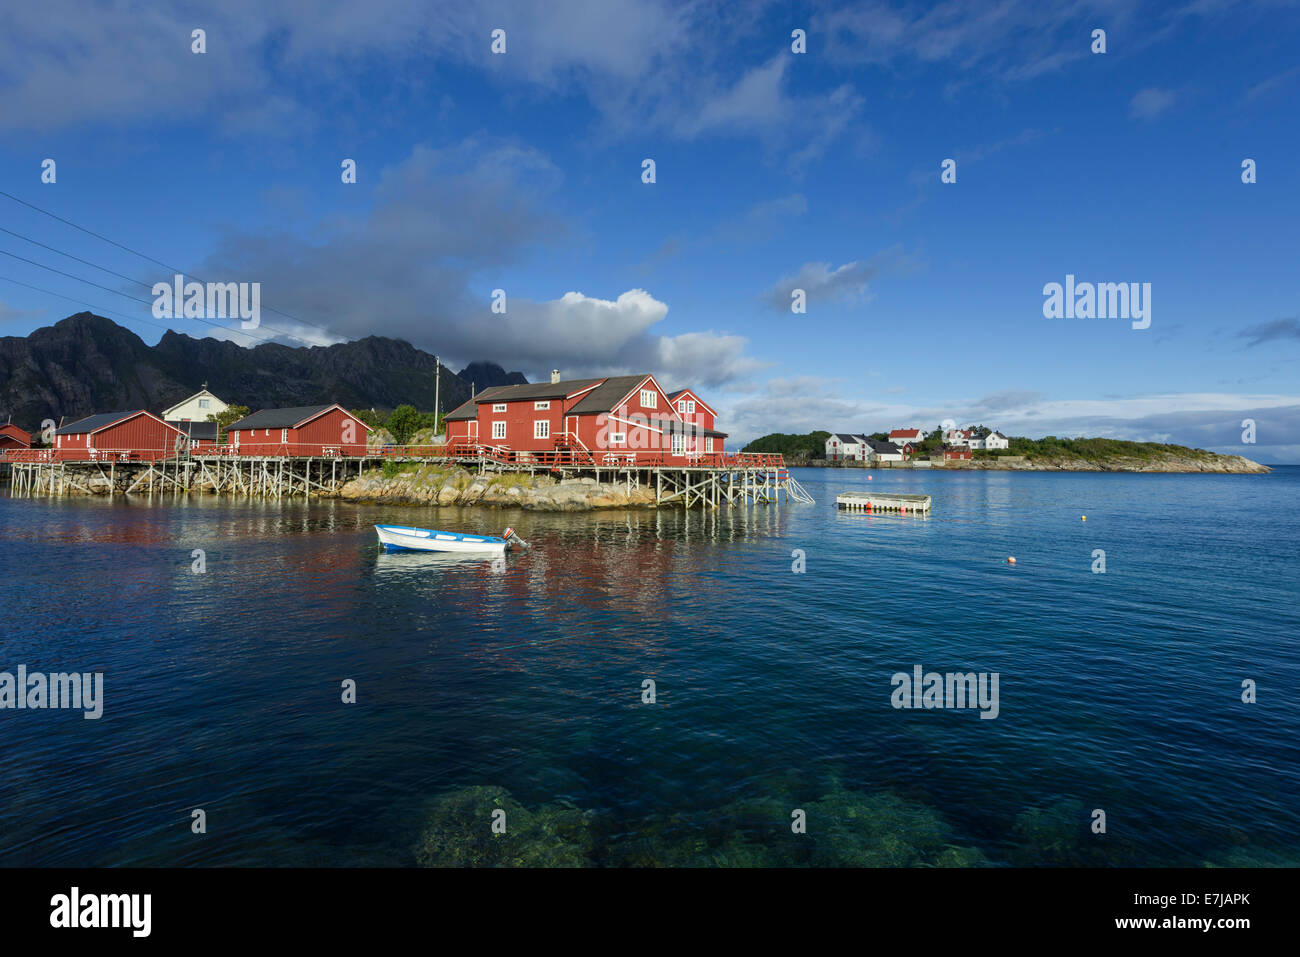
(196, 408)
(843, 446)
(996, 440)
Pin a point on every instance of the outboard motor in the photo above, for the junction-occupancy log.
(513, 539)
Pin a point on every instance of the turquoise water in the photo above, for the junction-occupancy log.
(522, 689)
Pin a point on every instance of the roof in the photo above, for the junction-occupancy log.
(10, 425)
(886, 448)
(686, 428)
(280, 418)
(206, 431)
(93, 423)
(469, 408)
(177, 405)
(849, 439)
(608, 394)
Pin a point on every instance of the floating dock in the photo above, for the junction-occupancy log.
(871, 502)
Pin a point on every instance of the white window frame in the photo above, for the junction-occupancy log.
(498, 430)
(284, 436)
(649, 399)
(541, 428)
(544, 406)
(679, 444)
(618, 438)
(681, 406)
(499, 407)
(708, 443)
(204, 403)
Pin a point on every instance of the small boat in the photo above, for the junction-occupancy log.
(405, 538)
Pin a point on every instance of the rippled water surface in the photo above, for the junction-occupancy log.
(522, 689)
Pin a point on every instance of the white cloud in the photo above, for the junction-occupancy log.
(1149, 103)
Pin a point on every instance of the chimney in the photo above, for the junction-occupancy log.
(555, 376)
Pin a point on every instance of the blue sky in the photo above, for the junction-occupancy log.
(775, 170)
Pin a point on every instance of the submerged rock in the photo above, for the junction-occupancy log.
(459, 833)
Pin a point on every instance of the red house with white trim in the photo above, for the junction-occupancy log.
(302, 430)
(692, 408)
(912, 437)
(138, 434)
(616, 418)
(12, 437)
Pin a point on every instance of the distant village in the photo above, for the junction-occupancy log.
(905, 445)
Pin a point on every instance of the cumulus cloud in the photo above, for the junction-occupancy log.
(417, 266)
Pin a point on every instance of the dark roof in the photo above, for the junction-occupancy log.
(92, 423)
(469, 408)
(197, 430)
(279, 418)
(849, 439)
(605, 396)
(886, 447)
(686, 428)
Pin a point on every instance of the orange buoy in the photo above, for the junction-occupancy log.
(1011, 560)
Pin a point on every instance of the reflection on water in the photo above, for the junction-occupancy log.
(522, 687)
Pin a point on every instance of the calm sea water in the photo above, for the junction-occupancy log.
(522, 689)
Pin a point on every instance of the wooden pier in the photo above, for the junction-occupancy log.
(872, 502)
(709, 482)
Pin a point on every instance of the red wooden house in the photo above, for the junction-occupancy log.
(304, 430)
(12, 437)
(127, 435)
(616, 418)
(692, 408)
(956, 453)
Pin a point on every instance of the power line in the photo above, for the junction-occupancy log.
(145, 302)
(82, 302)
(135, 252)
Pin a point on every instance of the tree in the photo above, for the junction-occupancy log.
(225, 419)
(403, 422)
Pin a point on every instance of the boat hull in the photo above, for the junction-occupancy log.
(403, 538)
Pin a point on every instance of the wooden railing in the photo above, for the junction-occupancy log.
(458, 451)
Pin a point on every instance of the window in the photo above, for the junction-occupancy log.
(681, 406)
(617, 438)
(498, 430)
(203, 403)
(542, 429)
(708, 444)
(284, 435)
(499, 407)
(679, 443)
(690, 407)
(541, 406)
(649, 399)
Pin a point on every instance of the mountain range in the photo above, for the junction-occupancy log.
(87, 363)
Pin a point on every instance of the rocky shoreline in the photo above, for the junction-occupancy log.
(434, 485)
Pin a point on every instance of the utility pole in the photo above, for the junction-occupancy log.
(437, 382)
